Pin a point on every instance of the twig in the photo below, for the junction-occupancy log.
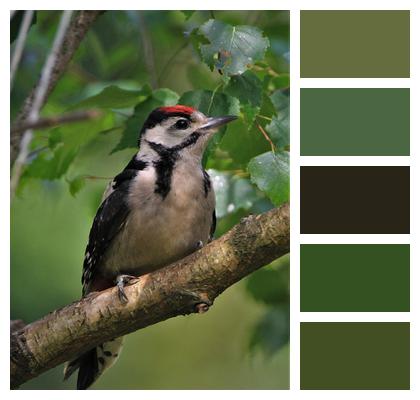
(77, 30)
(149, 57)
(267, 68)
(48, 122)
(212, 97)
(20, 44)
(261, 129)
(187, 286)
(39, 99)
(264, 117)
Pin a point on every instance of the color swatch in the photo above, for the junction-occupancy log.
(354, 277)
(367, 118)
(355, 199)
(355, 44)
(355, 122)
(355, 355)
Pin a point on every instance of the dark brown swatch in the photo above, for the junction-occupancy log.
(355, 200)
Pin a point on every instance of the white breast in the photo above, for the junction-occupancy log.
(160, 231)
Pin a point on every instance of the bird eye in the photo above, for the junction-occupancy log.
(182, 124)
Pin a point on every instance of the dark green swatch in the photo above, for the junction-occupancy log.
(355, 122)
(354, 277)
(355, 44)
(355, 199)
(355, 355)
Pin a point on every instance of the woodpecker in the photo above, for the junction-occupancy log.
(159, 209)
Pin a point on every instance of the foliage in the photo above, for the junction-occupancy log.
(222, 63)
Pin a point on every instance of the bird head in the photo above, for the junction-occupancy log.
(179, 128)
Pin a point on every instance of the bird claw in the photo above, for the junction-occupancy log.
(122, 281)
(199, 245)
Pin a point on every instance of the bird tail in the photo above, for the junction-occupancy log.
(94, 362)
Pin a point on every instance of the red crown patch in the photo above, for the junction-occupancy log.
(177, 109)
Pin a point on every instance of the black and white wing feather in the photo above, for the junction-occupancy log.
(109, 220)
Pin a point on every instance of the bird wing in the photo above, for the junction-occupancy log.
(213, 226)
(109, 220)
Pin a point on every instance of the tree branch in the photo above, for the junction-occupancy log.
(187, 286)
(20, 44)
(75, 33)
(49, 122)
(38, 100)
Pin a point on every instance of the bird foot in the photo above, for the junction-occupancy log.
(199, 245)
(122, 281)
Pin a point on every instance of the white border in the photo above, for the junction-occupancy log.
(294, 6)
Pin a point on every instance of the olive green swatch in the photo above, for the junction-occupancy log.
(355, 355)
(355, 122)
(355, 44)
(354, 277)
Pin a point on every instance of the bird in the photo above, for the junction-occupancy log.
(158, 210)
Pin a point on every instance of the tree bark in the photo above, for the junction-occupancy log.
(74, 36)
(187, 286)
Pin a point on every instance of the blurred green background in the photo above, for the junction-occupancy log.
(242, 342)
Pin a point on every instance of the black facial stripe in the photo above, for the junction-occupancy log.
(166, 163)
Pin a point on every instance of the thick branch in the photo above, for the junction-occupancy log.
(187, 286)
(74, 35)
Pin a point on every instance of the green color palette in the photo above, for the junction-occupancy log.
(355, 355)
(354, 277)
(355, 44)
(355, 122)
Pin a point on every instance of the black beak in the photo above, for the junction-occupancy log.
(215, 122)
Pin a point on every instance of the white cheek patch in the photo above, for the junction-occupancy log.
(166, 135)
(159, 134)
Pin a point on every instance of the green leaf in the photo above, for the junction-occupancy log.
(249, 114)
(232, 193)
(212, 104)
(52, 166)
(270, 172)
(272, 331)
(55, 138)
(65, 142)
(76, 184)
(133, 125)
(232, 48)
(115, 97)
(278, 129)
(246, 87)
(270, 285)
(187, 14)
(280, 101)
(282, 81)
(243, 142)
